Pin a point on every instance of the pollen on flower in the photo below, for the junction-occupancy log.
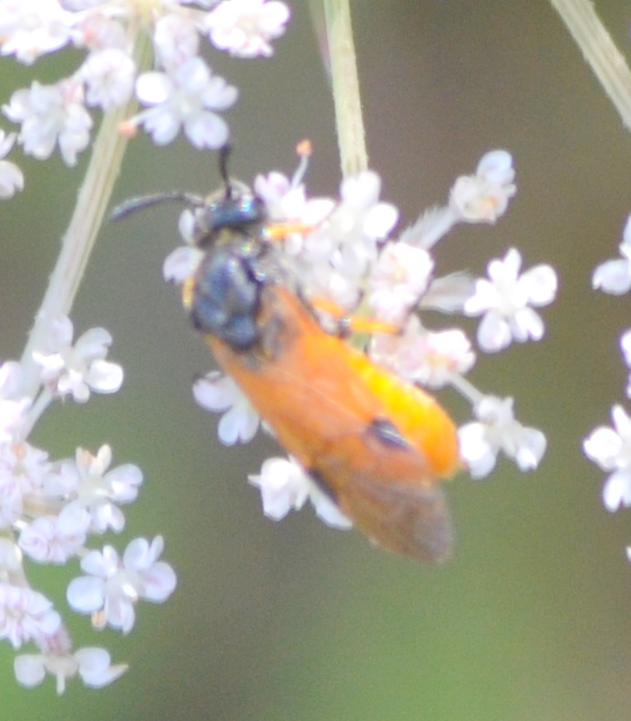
(483, 197)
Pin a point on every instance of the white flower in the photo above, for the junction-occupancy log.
(96, 31)
(114, 585)
(497, 430)
(610, 448)
(109, 75)
(51, 114)
(625, 347)
(98, 490)
(11, 177)
(188, 97)
(175, 39)
(355, 224)
(30, 28)
(285, 200)
(217, 393)
(25, 615)
(181, 263)
(483, 197)
(76, 370)
(92, 664)
(13, 406)
(344, 246)
(505, 302)
(245, 27)
(614, 276)
(399, 278)
(426, 357)
(23, 469)
(51, 539)
(285, 486)
(360, 210)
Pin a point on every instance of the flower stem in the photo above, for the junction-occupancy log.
(599, 51)
(346, 95)
(78, 241)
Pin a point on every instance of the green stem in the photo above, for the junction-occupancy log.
(346, 95)
(79, 239)
(599, 51)
(77, 244)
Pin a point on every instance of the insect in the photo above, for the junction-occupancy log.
(377, 445)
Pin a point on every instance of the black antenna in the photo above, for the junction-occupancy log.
(224, 154)
(132, 205)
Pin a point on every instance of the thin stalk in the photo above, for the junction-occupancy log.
(599, 51)
(345, 82)
(78, 241)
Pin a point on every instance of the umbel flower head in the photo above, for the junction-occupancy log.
(50, 509)
(180, 94)
(341, 252)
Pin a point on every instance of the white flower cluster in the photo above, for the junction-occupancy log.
(609, 447)
(180, 93)
(344, 256)
(49, 508)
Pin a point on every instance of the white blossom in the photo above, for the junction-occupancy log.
(497, 429)
(91, 664)
(285, 486)
(51, 115)
(55, 539)
(25, 615)
(483, 197)
(76, 370)
(109, 75)
(189, 97)
(31, 28)
(245, 27)
(90, 484)
(614, 276)
(430, 358)
(23, 469)
(114, 585)
(240, 421)
(610, 448)
(505, 299)
(11, 177)
(175, 39)
(399, 278)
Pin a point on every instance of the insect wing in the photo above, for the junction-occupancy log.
(342, 417)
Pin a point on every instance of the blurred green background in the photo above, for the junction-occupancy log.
(288, 621)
